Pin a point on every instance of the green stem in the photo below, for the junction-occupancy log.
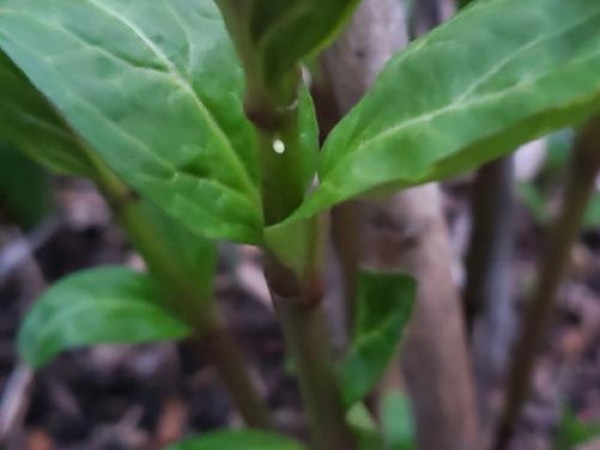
(272, 108)
(282, 182)
(189, 300)
(297, 299)
(222, 351)
(298, 306)
(298, 303)
(305, 335)
(580, 186)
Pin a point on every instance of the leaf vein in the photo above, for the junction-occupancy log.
(185, 84)
(463, 103)
(111, 305)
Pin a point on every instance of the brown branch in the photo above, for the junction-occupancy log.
(564, 232)
(487, 296)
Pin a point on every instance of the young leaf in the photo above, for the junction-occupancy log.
(385, 302)
(29, 122)
(24, 187)
(397, 422)
(155, 89)
(103, 305)
(238, 440)
(286, 32)
(501, 73)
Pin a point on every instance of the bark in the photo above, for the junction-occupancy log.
(490, 246)
(488, 308)
(426, 14)
(408, 232)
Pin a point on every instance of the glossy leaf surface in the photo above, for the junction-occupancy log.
(103, 305)
(238, 440)
(501, 73)
(155, 89)
(384, 306)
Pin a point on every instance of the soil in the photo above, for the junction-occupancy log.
(142, 397)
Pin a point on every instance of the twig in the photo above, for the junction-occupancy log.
(192, 302)
(16, 396)
(487, 297)
(15, 401)
(19, 247)
(346, 238)
(222, 351)
(580, 186)
(490, 245)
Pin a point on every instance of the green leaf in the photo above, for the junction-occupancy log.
(384, 306)
(501, 73)
(364, 427)
(291, 244)
(103, 305)
(286, 32)
(308, 127)
(397, 422)
(156, 90)
(238, 440)
(573, 432)
(24, 187)
(30, 123)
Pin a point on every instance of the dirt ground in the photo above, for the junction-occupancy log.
(142, 397)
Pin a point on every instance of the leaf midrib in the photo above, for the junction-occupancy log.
(132, 139)
(365, 338)
(462, 101)
(185, 85)
(175, 75)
